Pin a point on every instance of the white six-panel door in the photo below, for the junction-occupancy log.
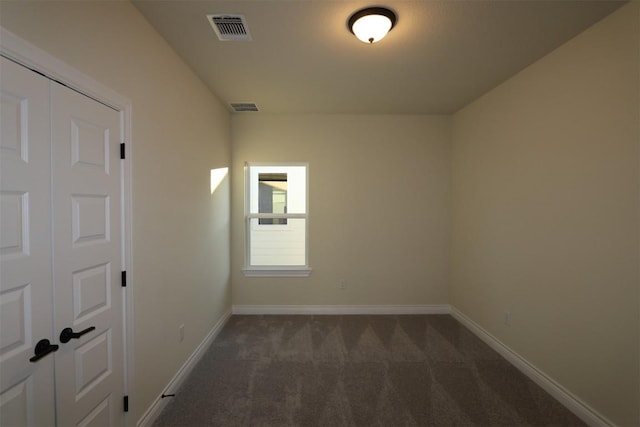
(26, 388)
(87, 262)
(80, 288)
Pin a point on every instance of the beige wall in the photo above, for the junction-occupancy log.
(378, 207)
(545, 214)
(180, 132)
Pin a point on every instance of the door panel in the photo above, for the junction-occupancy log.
(87, 248)
(26, 388)
(100, 416)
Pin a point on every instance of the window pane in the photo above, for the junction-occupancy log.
(272, 197)
(295, 197)
(279, 246)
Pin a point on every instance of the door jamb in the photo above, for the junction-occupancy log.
(30, 56)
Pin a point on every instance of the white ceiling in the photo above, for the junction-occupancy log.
(441, 55)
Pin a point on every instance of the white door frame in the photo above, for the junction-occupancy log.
(23, 52)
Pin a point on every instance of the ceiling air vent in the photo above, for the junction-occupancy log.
(241, 107)
(230, 27)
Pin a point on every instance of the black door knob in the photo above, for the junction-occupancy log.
(43, 347)
(67, 334)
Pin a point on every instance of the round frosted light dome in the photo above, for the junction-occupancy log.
(371, 28)
(371, 24)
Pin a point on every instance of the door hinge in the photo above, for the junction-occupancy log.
(126, 403)
(124, 279)
(122, 151)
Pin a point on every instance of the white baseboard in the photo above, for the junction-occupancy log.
(566, 398)
(152, 413)
(341, 309)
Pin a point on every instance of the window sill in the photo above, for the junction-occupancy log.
(277, 272)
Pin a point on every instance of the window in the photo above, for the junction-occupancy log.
(276, 210)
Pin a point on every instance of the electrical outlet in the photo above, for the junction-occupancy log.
(181, 333)
(342, 284)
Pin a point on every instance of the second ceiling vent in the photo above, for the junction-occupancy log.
(243, 107)
(230, 27)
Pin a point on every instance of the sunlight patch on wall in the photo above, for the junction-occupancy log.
(217, 175)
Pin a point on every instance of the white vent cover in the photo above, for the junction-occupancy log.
(241, 107)
(230, 27)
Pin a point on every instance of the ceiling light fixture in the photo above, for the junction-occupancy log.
(372, 23)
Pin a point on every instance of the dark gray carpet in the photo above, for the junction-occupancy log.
(425, 370)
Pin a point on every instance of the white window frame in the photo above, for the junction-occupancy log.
(278, 270)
